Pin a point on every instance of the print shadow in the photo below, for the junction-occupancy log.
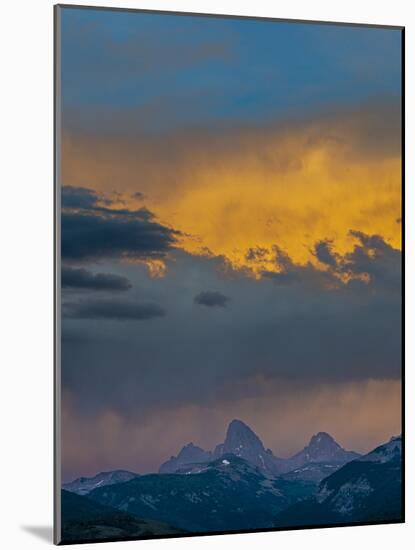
(43, 532)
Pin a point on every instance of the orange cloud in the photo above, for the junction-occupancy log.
(240, 188)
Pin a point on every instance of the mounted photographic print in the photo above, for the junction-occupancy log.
(229, 286)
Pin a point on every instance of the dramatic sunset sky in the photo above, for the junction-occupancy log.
(231, 234)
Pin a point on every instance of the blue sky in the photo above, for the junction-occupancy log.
(197, 69)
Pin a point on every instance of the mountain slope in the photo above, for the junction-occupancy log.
(319, 459)
(226, 494)
(364, 490)
(312, 471)
(322, 448)
(369, 488)
(84, 519)
(189, 454)
(83, 485)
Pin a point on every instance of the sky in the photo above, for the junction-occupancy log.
(231, 234)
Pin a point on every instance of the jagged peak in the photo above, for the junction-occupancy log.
(243, 441)
(235, 423)
(190, 447)
(323, 437)
(239, 426)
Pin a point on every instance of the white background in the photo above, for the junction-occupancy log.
(26, 271)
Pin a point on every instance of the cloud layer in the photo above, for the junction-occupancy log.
(211, 298)
(80, 278)
(112, 310)
(91, 232)
(234, 188)
(315, 326)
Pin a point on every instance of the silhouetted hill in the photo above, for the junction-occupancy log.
(83, 519)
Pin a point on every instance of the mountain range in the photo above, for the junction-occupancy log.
(227, 493)
(322, 455)
(241, 485)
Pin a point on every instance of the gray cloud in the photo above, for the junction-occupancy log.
(112, 310)
(306, 275)
(317, 329)
(377, 260)
(78, 197)
(324, 253)
(89, 200)
(211, 298)
(91, 232)
(372, 257)
(80, 278)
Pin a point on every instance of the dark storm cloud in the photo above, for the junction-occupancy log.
(80, 278)
(92, 232)
(324, 253)
(78, 197)
(306, 275)
(372, 265)
(319, 329)
(93, 237)
(376, 259)
(112, 310)
(211, 298)
(84, 199)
